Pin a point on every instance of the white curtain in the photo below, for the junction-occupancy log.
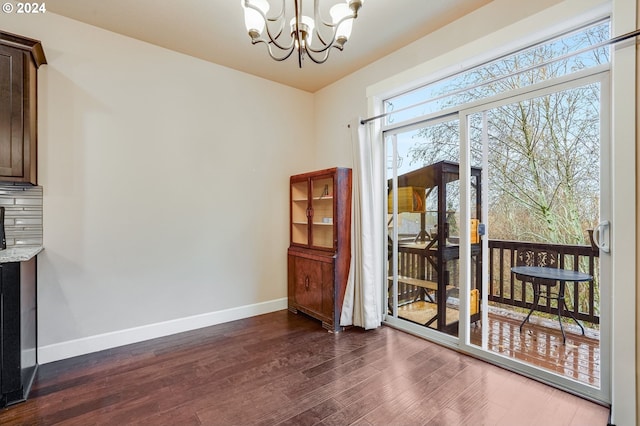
(363, 296)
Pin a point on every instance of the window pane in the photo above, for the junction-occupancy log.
(561, 56)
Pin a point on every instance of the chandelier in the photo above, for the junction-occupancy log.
(311, 37)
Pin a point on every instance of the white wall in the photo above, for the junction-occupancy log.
(165, 188)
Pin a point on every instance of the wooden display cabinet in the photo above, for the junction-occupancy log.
(320, 244)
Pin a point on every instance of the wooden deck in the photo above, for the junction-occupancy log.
(539, 344)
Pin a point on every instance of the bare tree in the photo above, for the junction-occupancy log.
(543, 152)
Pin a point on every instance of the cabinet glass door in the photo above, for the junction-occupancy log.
(322, 230)
(299, 209)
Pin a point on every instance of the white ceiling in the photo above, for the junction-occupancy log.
(214, 30)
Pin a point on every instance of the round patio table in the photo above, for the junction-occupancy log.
(552, 274)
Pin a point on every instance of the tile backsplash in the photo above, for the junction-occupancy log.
(23, 214)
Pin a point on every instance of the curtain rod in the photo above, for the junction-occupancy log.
(613, 40)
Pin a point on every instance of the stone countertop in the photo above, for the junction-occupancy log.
(18, 254)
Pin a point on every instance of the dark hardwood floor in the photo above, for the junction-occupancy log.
(282, 368)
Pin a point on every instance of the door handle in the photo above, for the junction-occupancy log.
(306, 282)
(602, 236)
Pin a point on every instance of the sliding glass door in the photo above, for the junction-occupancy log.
(544, 161)
(505, 166)
(523, 174)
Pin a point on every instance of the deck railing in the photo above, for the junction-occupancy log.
(582, 298)
(504, 289)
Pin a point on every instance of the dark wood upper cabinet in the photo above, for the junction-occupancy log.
(20, 59)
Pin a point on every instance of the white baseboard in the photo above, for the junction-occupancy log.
(114, 339)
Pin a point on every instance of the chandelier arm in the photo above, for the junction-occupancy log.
(279, 17)
(344, 18)
(281, 58)
(324, 58)
(318, 16)
(319, 20)
(334, 30)
(280, 27)
(275, 41)
(257, 9)
(332, 24)
(325, 48)
(275, 18)
(325, 45)
(269, 45)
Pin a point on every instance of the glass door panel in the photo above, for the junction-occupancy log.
(541, 170)
(423, 214)
(299, 215)
(322, 208)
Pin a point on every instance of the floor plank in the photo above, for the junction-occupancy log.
(285, 369)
